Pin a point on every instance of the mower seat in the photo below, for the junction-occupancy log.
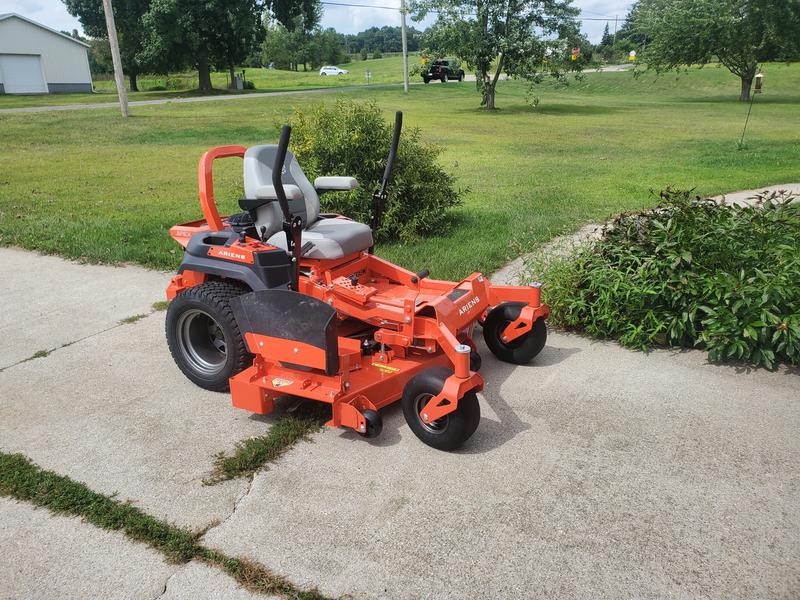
(330, 238)
(323, 238)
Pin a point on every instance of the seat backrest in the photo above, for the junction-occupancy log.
(258, 162)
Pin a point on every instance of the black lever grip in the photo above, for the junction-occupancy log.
(277, 171)
(421, 275)
(387, 172)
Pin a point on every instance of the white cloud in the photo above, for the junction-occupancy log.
(54, 14)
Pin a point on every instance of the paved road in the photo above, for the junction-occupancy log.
(220, 97)
(595, 472)
(747, 197)
(225, 97)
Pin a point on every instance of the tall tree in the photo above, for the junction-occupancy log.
(130, 30)
(201, 34)
(606, 40)
(738, 33)
(508, 33)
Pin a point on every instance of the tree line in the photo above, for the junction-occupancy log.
(301, 46)
(162, 36)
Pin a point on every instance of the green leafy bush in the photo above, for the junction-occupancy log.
(690, 273)
(352, 138)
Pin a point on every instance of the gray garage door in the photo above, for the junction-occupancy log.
(22, 74)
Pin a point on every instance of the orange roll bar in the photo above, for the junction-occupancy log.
(205, 181)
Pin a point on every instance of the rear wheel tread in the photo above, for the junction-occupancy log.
(217, 296)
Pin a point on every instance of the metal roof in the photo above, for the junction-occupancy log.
(5, 16)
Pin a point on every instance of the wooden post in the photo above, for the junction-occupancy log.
(615, 28)
(405, 44)
(119, 76)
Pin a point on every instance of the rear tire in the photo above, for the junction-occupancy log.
(453, 429)
(521, 350)
(425, 80)
(203, 336)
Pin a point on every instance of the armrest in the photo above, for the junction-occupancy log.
(267, 192)
(332, 184)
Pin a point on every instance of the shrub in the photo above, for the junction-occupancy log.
(690, 273)
(377, 54)
(248, 85)
(351, 138)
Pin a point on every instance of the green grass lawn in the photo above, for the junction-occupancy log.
(90, 185)
(382, 71)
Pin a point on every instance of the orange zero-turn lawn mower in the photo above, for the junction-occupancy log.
(284, 300)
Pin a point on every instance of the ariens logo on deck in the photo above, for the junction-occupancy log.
(465, 308)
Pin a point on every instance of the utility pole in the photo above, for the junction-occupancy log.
(405, 44)
(115, 57)
(615, 29)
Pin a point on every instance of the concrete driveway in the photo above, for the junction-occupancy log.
(596, 472)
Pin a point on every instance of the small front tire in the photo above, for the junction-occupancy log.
(521, 350)
(452, 430)
(374, 424)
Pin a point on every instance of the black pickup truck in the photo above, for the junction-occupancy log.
(443, 70)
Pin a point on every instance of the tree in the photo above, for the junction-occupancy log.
(328, 46)
(130, 30)
(383, 39)
(607, 39)
(100, 62)
(241, 32)
(201, 34)
(738, 33)
(509, 33)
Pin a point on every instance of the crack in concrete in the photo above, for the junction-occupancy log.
(237, 501)
(167, 580)
(45, 353)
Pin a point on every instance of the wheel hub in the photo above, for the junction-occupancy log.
(437, 426)
(202, 342)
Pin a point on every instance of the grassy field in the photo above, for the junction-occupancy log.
(88, 185)
(182, 85)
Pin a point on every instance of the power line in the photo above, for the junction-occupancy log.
(360, 5)
(382, 7)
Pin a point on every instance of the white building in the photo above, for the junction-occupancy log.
(35, 59)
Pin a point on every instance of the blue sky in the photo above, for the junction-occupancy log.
(345, 19)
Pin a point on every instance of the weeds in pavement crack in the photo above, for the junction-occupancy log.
(23, 480)
(252, 454)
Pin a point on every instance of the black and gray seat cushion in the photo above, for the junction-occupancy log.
(329, 237)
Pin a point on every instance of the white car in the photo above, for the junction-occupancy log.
(333, 71)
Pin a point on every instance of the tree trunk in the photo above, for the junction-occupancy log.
(747, 83)
(488, 96)
(233, 75)
(204, 74)
(134, 85)
(747, 74)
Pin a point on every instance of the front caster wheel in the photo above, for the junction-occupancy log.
(374, 424)
(453, 429)
(521, 350)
